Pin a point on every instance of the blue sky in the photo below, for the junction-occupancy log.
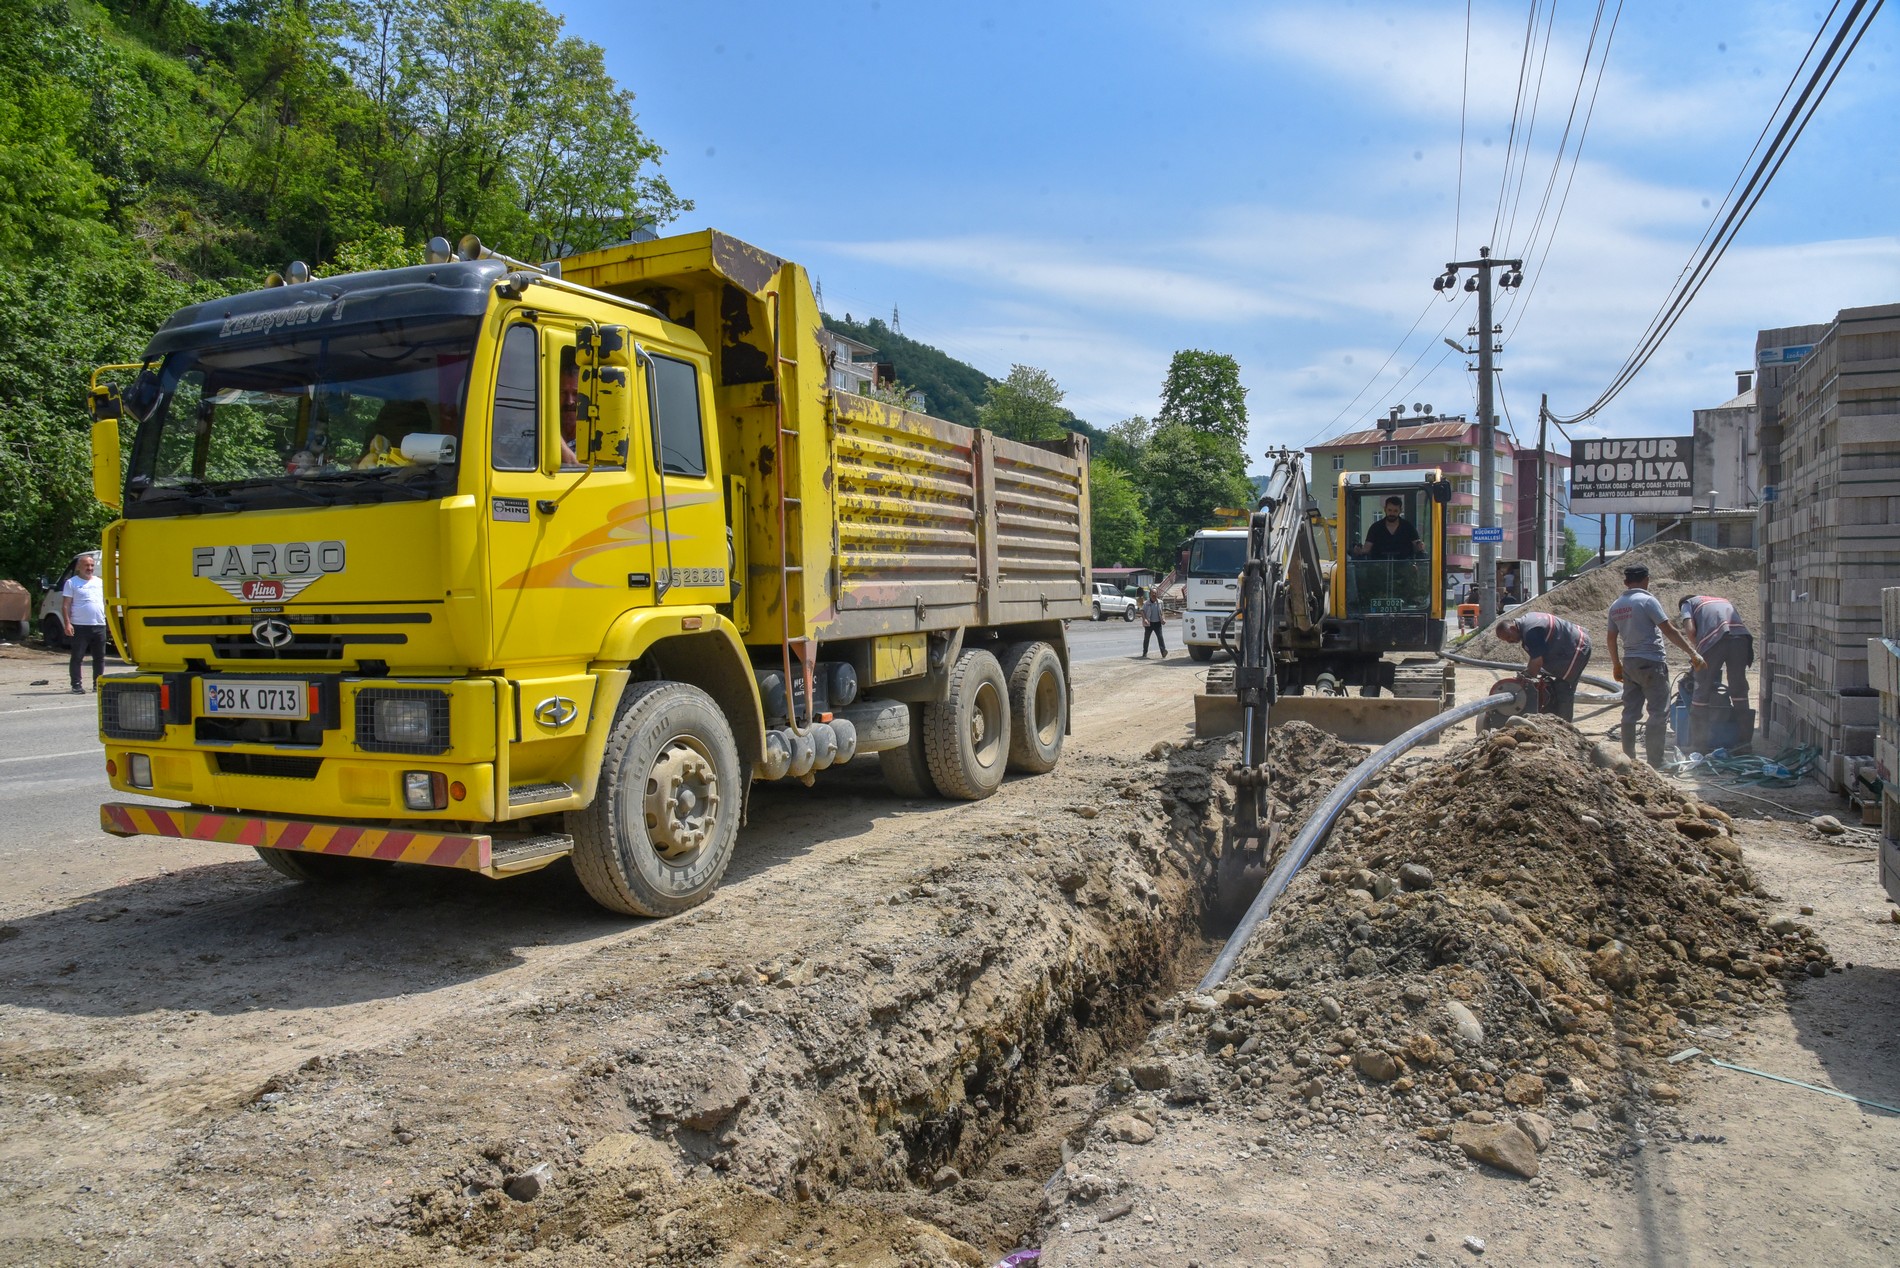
(1088, 187)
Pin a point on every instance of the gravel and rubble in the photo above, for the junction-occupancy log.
(1494, 960)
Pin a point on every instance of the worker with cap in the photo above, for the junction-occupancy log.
(1638, 626)
(1555, 647)
(1725, 644)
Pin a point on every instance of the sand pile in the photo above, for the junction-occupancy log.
(1502, 950)
(1675, 568)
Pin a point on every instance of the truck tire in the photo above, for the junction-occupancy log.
(1202, 654)
(666, 814)
(53, 630)
(906, 768)
(1038, 706)
(1128, 613)
(966, 737)
(320, 869)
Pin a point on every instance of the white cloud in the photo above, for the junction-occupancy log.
(1057, 273)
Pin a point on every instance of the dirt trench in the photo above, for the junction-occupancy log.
(902, 1096)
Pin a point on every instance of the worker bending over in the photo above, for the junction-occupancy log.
(1638, 625)
(1556, 647)
(1725, 644)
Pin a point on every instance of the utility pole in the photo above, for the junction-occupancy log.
(1543, 492)
(1480, 283)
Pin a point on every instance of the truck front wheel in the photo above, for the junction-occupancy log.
(1038, 707)
(966, 737)
(1199, 653)
(666, 815)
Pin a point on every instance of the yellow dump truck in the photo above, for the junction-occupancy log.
(480, 564)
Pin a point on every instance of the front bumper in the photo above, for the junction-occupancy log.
(466, 852)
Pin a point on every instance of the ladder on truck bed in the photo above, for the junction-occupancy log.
(791, 533)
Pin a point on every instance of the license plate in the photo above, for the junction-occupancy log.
(256, 698)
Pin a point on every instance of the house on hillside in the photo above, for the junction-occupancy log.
(853, 364)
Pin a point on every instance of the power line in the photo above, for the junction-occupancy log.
(1517, 307)
(1517, 110)
(1733, 214)
(1397, 348)
(1530, 131)
(1464, 92)
(1400, 388)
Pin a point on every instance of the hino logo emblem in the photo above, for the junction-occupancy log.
(272, 633)
(555, 712)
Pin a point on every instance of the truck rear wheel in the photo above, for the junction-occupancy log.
(666, 815)
(906, 768)
(1202, 654)
(1038, 706)
(966, 737)
(320, 869)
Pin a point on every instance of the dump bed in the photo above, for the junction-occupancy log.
(940, 525)
(893, 521)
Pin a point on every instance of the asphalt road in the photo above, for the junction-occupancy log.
(1108, 640)
(52, 769)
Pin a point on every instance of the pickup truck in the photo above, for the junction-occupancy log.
(1106, 601)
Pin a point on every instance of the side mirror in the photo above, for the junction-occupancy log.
(107, 476)
(603, 354)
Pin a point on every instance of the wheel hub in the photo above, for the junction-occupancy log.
(682, 801)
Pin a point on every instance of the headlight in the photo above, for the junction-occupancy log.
(132, 711)
(402, 720)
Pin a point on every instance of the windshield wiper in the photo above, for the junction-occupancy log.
(375, 478)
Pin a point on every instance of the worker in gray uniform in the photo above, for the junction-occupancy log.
(1728, 647)
(1638, 626)
(1555, 647)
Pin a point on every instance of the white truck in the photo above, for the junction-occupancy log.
(1215, 558)
(1106, 603)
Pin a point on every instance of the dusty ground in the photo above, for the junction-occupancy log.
(889, 1029)
(199, 1063)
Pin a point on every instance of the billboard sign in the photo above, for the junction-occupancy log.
(1622, 476)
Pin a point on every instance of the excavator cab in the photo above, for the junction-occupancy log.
(1389, 572)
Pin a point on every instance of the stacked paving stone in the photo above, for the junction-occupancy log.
(1883, 670)
(1831, 539)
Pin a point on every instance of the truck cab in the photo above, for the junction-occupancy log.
(1215, 557)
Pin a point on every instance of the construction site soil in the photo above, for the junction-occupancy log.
(930, 1034)
(1675, 569)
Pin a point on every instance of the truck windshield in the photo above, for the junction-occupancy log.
(1217, 557)
(356, 413)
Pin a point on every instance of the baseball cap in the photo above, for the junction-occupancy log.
(1635, 571)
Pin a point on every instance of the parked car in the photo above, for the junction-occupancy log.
(1108, 602)
(52, 615)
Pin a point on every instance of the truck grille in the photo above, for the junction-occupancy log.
(268, 765)
(294, 636)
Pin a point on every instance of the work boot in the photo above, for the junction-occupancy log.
(1655, 745)
(1629, 742)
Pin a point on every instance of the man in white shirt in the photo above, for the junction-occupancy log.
(83, 609)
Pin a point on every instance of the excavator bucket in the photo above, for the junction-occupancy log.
(1427, 690)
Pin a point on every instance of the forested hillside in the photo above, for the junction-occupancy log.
(156, 151)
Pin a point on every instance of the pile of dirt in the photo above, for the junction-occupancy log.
(899, 1096)
(1500, 951)
(1675, 569)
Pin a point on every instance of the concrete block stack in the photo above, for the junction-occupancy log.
(1831, 537)
(1883, 669)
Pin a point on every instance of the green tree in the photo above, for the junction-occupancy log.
(1025, 406)
(1124, 443)
(1187, 474)
(1118, 528)
(1576, 555)
(1203, 392)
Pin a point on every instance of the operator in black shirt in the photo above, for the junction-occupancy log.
(1392, 537)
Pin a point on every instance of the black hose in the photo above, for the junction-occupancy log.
(1320, 822)
(1595, 680)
